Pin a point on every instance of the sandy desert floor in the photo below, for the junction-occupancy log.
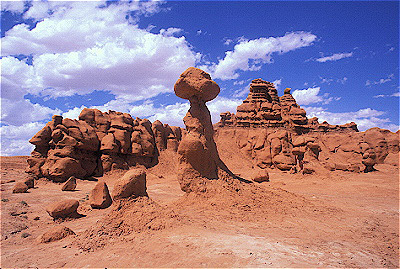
(338, 220)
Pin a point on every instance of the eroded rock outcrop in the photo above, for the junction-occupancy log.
(96, 143)
(275, 132)
(198, 159)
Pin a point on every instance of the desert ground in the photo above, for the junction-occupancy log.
(340, 219)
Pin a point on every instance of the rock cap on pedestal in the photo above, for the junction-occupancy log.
(196, 82)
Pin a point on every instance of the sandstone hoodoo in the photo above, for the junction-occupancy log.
(275, 132)
(97, 143)
(198, 159)
(270, 130)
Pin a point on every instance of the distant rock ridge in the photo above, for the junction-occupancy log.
(274, 132)
(97, 143)
(264, 108)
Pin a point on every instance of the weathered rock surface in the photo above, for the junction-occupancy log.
(194, 83)
(132, 184)
(29, 181)
(274, 132)
(261, 176)
(96, 143)
(70, 185)
(63, 209)
(198, 159)
(54, 234)
(100, 196)
(20, 187)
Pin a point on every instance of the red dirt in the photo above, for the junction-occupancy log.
(342, 219)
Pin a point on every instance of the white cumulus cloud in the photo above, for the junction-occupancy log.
(250, 55)
(311, 95)
(14, 139)
(364, 118)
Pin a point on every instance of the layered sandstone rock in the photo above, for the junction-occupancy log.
(198, 159)
(264, 108)
(275, 132)
(96, 143)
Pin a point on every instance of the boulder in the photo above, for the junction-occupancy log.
(20, 187)
(261, 176)
(63, 209)
(196, 82)
(100, 197)
(29, 181)
(284, 162)
(132, 184)
(70, 185)
(54, 234)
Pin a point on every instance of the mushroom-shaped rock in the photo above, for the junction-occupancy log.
(132, 184)
(261, 176)
(70, 185)
(196, 82)
(198, 159)
(100, 196)
(63, 209)
(54, 234)
(20, 187)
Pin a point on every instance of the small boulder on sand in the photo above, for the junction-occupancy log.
(133, 183)
(55, 234)
(70, 185)
(29, 181)
(100, 196)
(63, 209)
(20, 187)
(261, 176)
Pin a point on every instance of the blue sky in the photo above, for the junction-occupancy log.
(341, 59)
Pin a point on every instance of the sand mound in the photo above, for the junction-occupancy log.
(128, 217)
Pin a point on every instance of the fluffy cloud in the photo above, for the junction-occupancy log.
(311, 95)
(83, 47)
(77, 47)
(14, 139)
(365, 118)
(13, 6)
(172, 31)
(381, 81)
(334, 57)
(23, 111)
(249, 55)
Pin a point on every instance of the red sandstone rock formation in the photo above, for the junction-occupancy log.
(96, 143)
(198, 157)
(275, 132)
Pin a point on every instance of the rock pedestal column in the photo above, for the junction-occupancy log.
(198, 156)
